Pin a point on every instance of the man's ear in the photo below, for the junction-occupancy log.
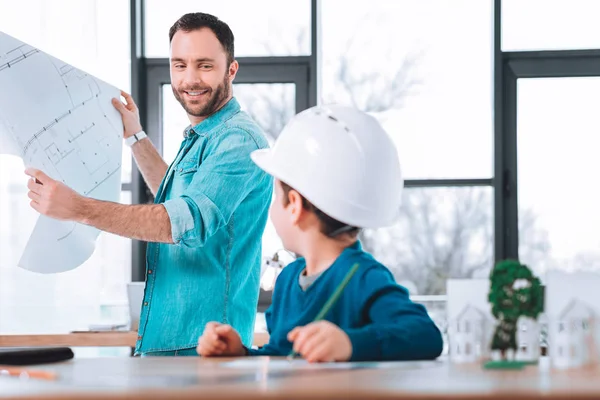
(233, 69)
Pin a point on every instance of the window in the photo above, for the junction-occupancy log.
(430, 86)
(558, 194)
(442, 233)
(550, 24)
(92, 35)
(260, 27)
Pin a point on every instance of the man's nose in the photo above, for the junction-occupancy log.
(193, 76)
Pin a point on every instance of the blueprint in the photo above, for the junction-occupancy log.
(60, 120)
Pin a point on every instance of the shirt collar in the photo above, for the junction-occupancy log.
(230, 108)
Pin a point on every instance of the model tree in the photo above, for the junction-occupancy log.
(514, 292)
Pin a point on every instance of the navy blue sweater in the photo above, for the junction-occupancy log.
(374, 311)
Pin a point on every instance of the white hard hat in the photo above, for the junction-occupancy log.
(342, 161)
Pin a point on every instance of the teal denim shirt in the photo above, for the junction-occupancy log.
(217, 200)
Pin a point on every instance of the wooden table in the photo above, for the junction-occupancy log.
(88, 339)
(196, 378)
(83, 339)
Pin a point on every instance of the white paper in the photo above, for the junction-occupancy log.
(283, 365)
(59, 120)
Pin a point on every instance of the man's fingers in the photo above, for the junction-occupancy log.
(119, 105)
(34, 187)
(35, 205)
(129, 100)
(126, 95)
(33, 196)
(37, 174)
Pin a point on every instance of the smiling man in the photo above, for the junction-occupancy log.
(211, 204)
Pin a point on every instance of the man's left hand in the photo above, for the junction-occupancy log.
(52, 198)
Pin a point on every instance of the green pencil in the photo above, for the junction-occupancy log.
(332, 300)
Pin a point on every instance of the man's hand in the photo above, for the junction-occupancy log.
(321, 342)
(220, 340)
(52, 198)
(129, 114)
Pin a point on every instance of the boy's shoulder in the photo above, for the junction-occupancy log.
(292, 269)
(368, 263)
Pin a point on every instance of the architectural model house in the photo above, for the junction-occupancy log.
(572, 304)
(572, 340)
(470, 321)
(469, 335)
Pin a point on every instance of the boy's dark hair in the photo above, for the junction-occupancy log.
(194, 21)
(329, 226)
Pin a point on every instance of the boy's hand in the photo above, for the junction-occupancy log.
(321, 342)
(220, 340)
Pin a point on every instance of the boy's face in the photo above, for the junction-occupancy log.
(283, 218)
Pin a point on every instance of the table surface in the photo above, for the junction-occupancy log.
(88, 339)
(83, 339)
(250, 378)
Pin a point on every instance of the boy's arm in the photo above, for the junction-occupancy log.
(269, 349)
(399, 329)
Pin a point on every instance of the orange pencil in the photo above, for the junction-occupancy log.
(27, 373)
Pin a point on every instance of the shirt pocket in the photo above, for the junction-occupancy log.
(183, 175)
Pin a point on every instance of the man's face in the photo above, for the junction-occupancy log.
(200, 74)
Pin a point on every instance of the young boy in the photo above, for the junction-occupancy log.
(336, 170)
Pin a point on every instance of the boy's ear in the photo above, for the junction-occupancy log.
(295, 205)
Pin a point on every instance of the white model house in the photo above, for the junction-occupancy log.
(573, 336)
(469, 336)
(572, 304)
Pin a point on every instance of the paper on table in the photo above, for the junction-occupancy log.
(60, 120)
(278, 365)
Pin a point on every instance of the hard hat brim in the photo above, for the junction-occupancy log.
(264, 159)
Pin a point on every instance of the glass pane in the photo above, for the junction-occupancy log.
(550, 25)
(431, 86)
(270, 104)
(442, 233)
(90, 35)
(95, 292)
(558, 163)
(260, 27)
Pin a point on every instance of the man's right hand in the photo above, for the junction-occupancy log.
(129, 114)
(220, 340)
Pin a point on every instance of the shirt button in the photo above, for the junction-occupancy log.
(149, 271)
(145, 303)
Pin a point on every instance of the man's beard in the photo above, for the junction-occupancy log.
(216, 98)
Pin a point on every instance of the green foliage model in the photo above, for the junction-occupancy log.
(514, 292)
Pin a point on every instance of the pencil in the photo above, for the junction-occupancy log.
(27, 373)
(332, 300)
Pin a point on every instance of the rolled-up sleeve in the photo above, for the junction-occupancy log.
(223, 180)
